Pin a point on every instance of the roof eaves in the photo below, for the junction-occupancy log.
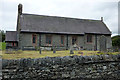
(52, 32)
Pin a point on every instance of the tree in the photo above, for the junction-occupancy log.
(116, 43)
(2, 35)
(116, 40)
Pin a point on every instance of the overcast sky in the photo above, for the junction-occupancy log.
(83, 9)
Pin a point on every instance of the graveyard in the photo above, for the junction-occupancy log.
(36, 54)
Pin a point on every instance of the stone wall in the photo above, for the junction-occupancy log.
(68, 67)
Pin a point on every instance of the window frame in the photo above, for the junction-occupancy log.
(62, 37)
(12, 43)
(73, 37)
(35, 38)
(89, 38)
(48, 41)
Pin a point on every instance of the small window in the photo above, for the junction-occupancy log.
(74, 40)
(12, 43)
(48, 39)
(34, 38)
(89, 38)
(62, 40)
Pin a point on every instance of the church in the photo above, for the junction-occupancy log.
(35, 31)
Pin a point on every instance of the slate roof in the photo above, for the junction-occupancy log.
(53, 24)
(11, 36)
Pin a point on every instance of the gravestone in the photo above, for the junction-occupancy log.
(102, 42)
(54, 49)
(40, 50)
(71, 50)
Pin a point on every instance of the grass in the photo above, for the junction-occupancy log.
(35, 54)
(113, 53)
(2, 45)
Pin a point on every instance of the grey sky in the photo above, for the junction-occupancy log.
(85, 9)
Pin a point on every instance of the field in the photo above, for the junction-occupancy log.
(36, 54)
(2, 45)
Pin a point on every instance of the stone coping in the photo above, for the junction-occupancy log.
(24, 62)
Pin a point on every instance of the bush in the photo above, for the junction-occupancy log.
(2, 45)
(37, 48)
(116, 40)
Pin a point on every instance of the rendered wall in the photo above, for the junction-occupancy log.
(26, 40)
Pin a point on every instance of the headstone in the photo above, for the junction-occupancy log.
(80, 53)
(54, 50)
(40, 50)
(71, 50)
(103, 43)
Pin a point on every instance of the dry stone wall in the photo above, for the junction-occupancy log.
(68, 67)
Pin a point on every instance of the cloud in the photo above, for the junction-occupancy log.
(85, 9)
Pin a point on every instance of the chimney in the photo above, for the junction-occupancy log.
(20, 9)
(102, 19)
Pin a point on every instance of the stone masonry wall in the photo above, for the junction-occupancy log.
(68, 67)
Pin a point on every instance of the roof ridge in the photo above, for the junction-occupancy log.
(60, 17)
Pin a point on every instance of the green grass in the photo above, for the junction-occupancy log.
(113, 53)
(2, 45)
(35, 54)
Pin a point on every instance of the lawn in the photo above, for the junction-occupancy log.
(2, 45)
(35, 54)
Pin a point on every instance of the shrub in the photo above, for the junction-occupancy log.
(2, 45)
(37, 48)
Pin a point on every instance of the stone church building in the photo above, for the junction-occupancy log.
(35, 31)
